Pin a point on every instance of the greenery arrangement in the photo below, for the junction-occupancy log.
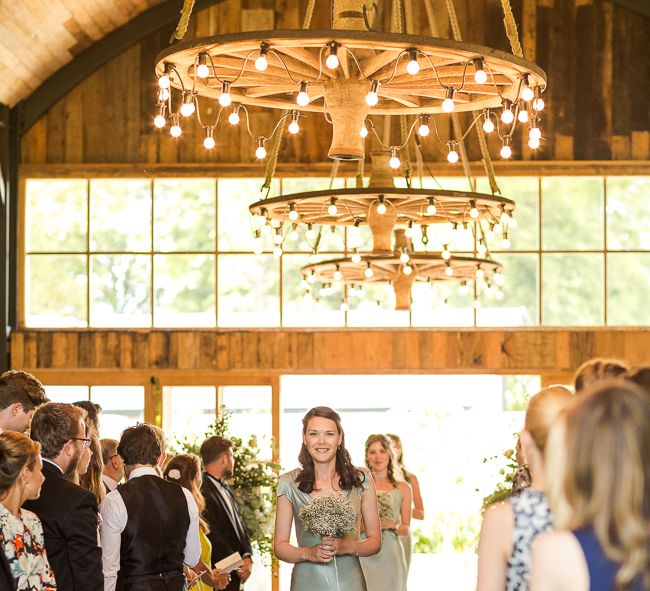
(254, 482)
(503, 489)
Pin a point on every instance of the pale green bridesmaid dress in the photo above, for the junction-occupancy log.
(311, 576)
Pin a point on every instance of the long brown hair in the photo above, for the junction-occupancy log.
(349, 476)
(392, 462)
(604, 449)
(92, 479)
(399, 457)
(188, 467)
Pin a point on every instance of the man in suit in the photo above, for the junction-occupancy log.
(67, 511)
(113, 464)
(150, 526)
(20, 394)
(228, 532)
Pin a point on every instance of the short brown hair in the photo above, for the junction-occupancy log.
(213, 447)
(641, 377)
(139, 445)
(597, 369)
(16, 452)
(22, 388)
(55, 423)
(109, 449)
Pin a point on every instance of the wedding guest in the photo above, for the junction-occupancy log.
(387, 571)
(67, 511)
(508, 529)
(521, 478)
(228, 533)
(149, 527)
(20, 394)
(597, 369)
(597, 464)
(418, 503)
(186, 471)
(326, 469)
(91, 477)
(162, 438)
(641, 377)
(93, 410)
(21, 532)
(113, 464)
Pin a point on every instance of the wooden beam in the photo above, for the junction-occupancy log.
(640, 6)
(98, 54)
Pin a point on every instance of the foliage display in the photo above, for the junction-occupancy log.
(329, 515)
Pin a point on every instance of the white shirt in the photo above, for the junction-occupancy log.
(110, 482)
(114, 519)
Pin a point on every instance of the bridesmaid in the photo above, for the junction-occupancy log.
(387, 570)
(326, 468)
(418, 504)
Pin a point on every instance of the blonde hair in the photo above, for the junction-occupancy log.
(17, 451)
(542, 411)
(598, 369)
(598, 459)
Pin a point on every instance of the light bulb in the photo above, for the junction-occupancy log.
(381, 207)
(202, 70)
(452, 155)
(476, 304)
(293, 213)
(533, 143)
(262, 63)
(535, 133)
(424, 130)
(332, 61)
(527, 94)
(431, 206)
(356, 257)
(506, 150)
(293, 233)
(372, 98)
(337, 274)
(260, 152)
(480, 76)
(331, 208)
(209, 143)
(187, 109)
(277, 251)
(394, 161)
(294, 128)
(409, 232)
(513, 222)
(307, 297)
(481, 249)
(310, 234)
(488, 125)
(505, 243)
(225, 100)
(277, 237)
(258, 243)
(449, 271)
(523, 113)
(505, 217)
(345, 307)
(473, 211)
(234, 117)
(507, 116)
(164, 81)
(480, 273)
(498, 228)
(163, 94)
(464, 288)
(490, 232)
(302, 98)
(448, 104)
(407, 269)
(159, 121)
(368, 273)
(538, 104)
(446, 253)
(311, 278)
(363, 132)
(175, 130)
(404, 257)
(499, 279)
(413, 67)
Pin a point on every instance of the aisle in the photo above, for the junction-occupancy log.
(445, 571)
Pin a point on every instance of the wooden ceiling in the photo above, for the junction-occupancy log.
(38, 37)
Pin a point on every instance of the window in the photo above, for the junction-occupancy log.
(179, 253)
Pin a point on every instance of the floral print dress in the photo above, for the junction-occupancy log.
(22, 543)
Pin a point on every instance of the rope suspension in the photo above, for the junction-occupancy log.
(511, 28)
(184, 21)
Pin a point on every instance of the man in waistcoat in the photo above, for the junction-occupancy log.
(150, 527)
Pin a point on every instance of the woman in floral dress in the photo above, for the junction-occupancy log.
(21, 532)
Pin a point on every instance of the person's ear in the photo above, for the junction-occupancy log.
(16, 407)
(24, 475)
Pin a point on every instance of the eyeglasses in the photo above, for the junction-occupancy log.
(85, 441)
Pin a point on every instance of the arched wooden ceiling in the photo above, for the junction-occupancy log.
(37, 38)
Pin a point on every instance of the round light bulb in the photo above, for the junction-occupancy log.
(522, 116)
(311, 278)
(463, 289)
(257, 246)
(159, 121)
(409, 232)
(499, 279)
(293, 234)
(481, 249)
(513, 223)
(225, 100)
(535, 133)
(507, 116)
(424, 130)
(480, 273)
(260, 152)
(175, 130)
(234, 118)
(302, 98)
(381, 208)
(356, 258)
(473, 212)
(394, 162)
(294, 127)
(332, 61)
(538, 104)
(413, 67)
(506, 151)
(498, 228)
(505, 243)
(533, 143)
(431, 209)
(277, 238)
(476, 304)
(489, 234)
(407, 269)
(449, 271)
(209, 143)
(404, 257)
(480, 76)
(488, 126)
(372, 98)
(345, 307)
(310, 234)
(187, 109)
(202, 71)
(527, 94)
(261, 63)
(163, 95)
(307, 297)
(448, 105)
(332, 209)
(164, 81)
(452, 156)
(368, 273)
(363, 132)
(337, 275)
(446, 254)
(505, 217)
(277, 251)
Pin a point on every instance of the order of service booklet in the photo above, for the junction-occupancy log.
(230, 563)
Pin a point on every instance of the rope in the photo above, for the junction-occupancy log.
(453, 20)
(183, 23)
(309, 13)
(511, 28)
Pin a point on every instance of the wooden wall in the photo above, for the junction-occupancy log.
(543, 351)
(594, 52)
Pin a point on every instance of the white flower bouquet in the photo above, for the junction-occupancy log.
(385, 506)
(329, 515)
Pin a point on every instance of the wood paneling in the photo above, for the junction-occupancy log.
(595, 54)
(332, 351)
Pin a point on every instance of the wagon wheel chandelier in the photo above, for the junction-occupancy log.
(382, 207)
(348, 73)
(401, 269)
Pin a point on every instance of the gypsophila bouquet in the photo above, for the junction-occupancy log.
(385, 506)
(329, 515)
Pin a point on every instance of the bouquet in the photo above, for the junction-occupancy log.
(385, 506)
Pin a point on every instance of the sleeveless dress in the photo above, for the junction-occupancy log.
(311, 576)
(602, 570)
(206, 556)
(386, 571)
(532, 517)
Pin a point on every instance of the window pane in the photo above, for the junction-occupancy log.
(572, 289)
(56, 290)
(184, 214)
(524, 191)
(319, 310)
(56, 215)
(120, 215)
(519, 304)
(233, 198)
(122, 407)
(120, 290)
(375, 306)
(572, 213)
(188, 411)
(251, 414)
(628, 213)
(442, 303)
(628, 285)
(67, 394)
(184, 288)
(249, 290)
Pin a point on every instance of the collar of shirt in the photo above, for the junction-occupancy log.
(54, 464)
(110, 482)
(143, 471)
(215, 479)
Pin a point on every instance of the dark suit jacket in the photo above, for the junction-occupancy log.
(6, 580)
(69, 516)
(226, 537)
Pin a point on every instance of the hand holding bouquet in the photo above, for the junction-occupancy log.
(329, 516)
